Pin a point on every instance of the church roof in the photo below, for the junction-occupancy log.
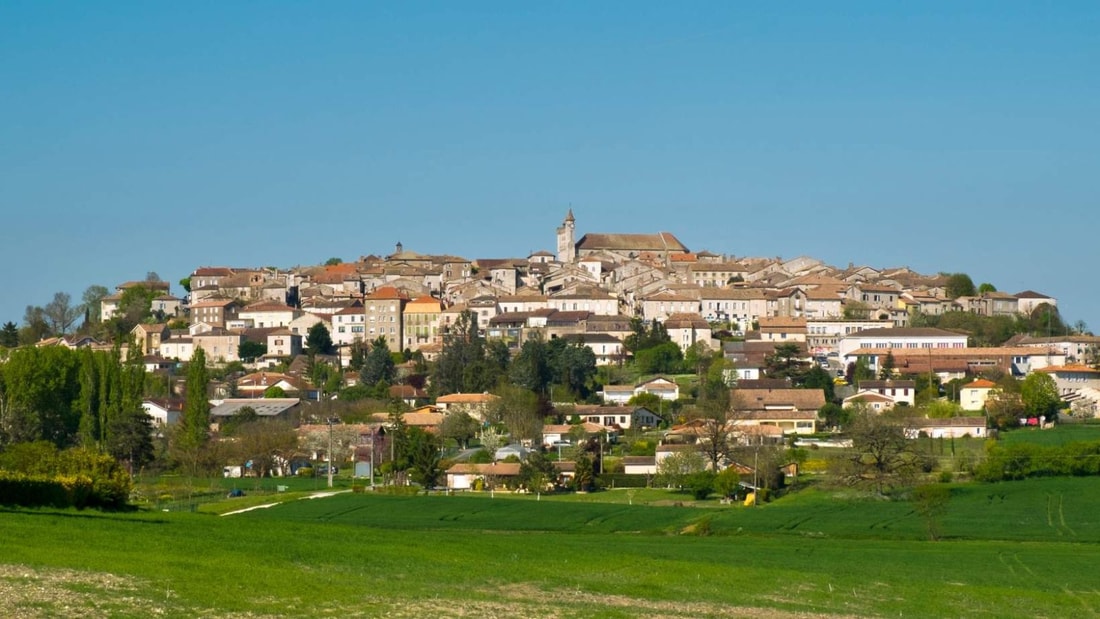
(662, 241)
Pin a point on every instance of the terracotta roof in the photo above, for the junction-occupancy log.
(781, 322)
(500, 469)
(981, 383)
(1076, 369)
(424, 304)
(686, 321)
(466, 398)
(802, 399)
(387, 293)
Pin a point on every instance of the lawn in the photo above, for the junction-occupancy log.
(1021, 549)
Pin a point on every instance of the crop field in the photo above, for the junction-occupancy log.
(1021, 549)
(1058, 435)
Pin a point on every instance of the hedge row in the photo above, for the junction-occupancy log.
(78, 491)
(622, 480)
(71, 478)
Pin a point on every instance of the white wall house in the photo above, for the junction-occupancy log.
(915, 338)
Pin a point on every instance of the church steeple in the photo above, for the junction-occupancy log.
(567, 248)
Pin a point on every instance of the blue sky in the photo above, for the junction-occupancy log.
(944, 136)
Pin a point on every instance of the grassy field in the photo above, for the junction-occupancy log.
(1022, 549)
(1058, 435)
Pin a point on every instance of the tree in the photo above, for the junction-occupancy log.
(131, 438)
(572, 364)
(378, 365)
(959, 285)
(531, 367)
(663, 358)
(785, 362)
(881, 456)
(460, 427)
(859, 371)
(424, 458)
(1004, 408)
(35, 325)
(91, 299)
(61, 314)
(359, 350)
(274, 392)
(985, 287)
(537, 472)
(834, 415)
(37, 389)
(466, 364)
(672, 470)
(249, 351)
(194, 427)
(243, 416)
(318, 340)
(711, 416)
(584, 474)
(888, 366)
(818, 378)
(129, 435)
(518, 409)
(331, 262)
(9, 335)
(134, 306)
(930, 502)
(1040, 395)
(263, 443)
(700, 484)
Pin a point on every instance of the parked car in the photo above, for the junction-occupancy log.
(322, 469)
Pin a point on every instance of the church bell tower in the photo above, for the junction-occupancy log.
(567, 248)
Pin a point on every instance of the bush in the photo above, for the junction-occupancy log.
(622, 480)
(700, 484)
(305, 471)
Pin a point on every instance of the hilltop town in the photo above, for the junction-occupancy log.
(797, 339)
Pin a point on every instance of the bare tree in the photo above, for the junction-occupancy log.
(60, 313)
(881, 455)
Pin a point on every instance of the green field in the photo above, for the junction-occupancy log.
(1022, 549)
(1058, 435)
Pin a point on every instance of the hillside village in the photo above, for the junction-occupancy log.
(864, 326)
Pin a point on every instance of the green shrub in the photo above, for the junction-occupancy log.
(700, 484)
(305, 471)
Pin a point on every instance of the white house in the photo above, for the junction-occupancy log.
(900, 338)
(163, 412)
(955, 427)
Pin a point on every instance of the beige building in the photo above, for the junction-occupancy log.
(383, 312)
(972, 396)
(422, 320)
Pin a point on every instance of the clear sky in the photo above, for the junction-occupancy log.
(945, 136)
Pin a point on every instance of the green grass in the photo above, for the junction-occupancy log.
(1056, 436)
(1020, 549)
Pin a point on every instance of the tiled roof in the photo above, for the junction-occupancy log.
(662, 241)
